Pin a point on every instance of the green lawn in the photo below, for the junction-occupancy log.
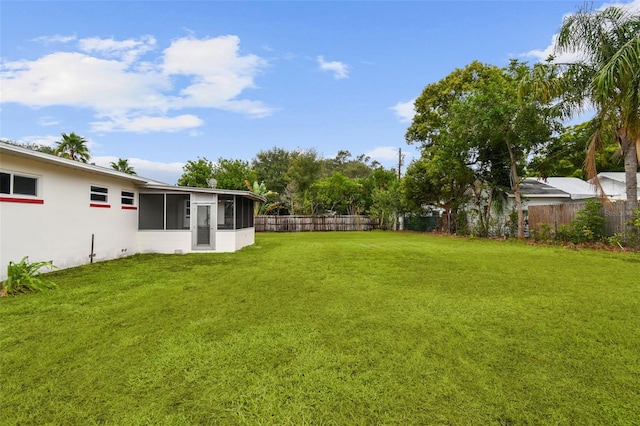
(331, 329)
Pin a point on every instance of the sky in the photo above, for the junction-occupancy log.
(164, 82)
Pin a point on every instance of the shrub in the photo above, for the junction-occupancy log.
(25, 276)
(631, 237)
(542, 232)
(588, 226)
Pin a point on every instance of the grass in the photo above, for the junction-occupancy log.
(331, 329)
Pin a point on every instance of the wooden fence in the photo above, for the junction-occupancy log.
(560, 214)
(313, 223)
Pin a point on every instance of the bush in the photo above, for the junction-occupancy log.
(542, 232)
(588, 226)
(25, 276)
(631, 237)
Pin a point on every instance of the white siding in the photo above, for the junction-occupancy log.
(60, 229)
(167, 242)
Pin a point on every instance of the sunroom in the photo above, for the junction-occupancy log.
(182, 220)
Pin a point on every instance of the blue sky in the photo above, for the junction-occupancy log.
(164, 82)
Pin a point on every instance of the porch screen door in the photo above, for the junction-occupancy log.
(203, 230)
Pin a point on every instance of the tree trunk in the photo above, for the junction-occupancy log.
(629, 149)
(515, 187)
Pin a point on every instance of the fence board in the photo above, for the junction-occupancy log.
(314, 223)
(560, 214)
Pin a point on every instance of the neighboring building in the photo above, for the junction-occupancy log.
(614, 184)
(554, 190)
(534, 192)
(68, 212)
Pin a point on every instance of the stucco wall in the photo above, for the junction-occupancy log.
(167, 242)
(60, 228)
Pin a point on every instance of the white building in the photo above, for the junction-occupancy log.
(614, 184)
(71, 213)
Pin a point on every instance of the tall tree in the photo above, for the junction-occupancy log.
(606, 77)
(232, 174)
(197, 173)
(271, 167)
(505, 125)
(338, 194)
(73, 147)
(477, 132)
(122, 165)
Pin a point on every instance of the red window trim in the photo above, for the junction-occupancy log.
(129, 208)
(104, 206)
(21, 200)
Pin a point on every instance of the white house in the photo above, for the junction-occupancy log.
(73, 213)
(614, 184)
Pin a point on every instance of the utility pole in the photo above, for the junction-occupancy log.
(399, 162)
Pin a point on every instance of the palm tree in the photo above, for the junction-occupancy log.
(606, 77)
(122, 165)
(73, 147)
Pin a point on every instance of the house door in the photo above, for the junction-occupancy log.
(203, 238)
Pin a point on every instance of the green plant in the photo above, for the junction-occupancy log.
(25, 276)
(588, 226)
(542, 232)
(631, 237)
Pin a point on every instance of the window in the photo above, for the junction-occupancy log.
(244, 212)
(99, 194)
(18, 184)
(127, 198)
(175, 211)
(234, 212)
(151, 211)
(225, 212)
(163, 211)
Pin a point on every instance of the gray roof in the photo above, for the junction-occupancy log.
(561, 187)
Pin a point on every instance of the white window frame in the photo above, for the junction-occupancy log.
(124, 195)
(95, 190)
(12, 186)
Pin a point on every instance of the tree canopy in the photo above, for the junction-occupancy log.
(197, 173)
(73, 147)
(122, 165)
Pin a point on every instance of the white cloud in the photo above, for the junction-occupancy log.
(148, 124)
(127, 50)
(339, 69)
(125, 93)
(46, 40)
(163, 172)
(383, 153)
(404, 111)
(76, 79)
(217, 71)
(47, 140)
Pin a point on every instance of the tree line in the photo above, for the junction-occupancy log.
(302, 182)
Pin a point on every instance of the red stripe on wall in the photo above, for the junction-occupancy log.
(21, 200)
(129, 208)
(104, 206)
